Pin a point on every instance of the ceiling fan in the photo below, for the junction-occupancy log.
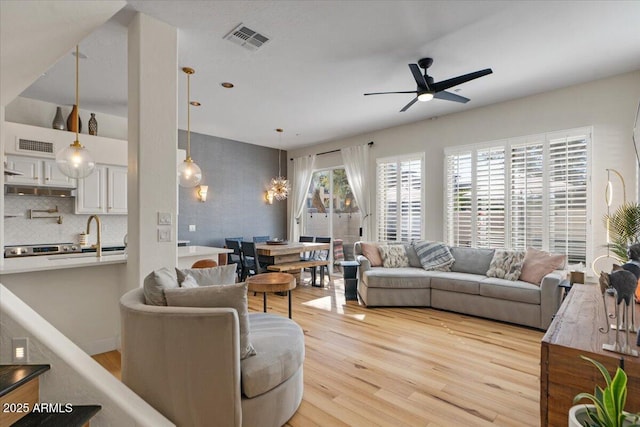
(428, 89)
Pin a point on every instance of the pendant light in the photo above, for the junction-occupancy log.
(189, 174)
(75, 161)
(279, 184)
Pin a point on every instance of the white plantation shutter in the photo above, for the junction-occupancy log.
(459, 197)
(520, 193)
(490, 198)
(399, 198)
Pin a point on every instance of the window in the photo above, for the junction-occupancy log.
(520, 193)
(399, 198)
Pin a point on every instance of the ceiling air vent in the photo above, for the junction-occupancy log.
(246, 37)
(35, 146)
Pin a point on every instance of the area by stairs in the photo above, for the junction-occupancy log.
(20, 404)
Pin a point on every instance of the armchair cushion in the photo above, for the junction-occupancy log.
(234, 296)
(156, 282)
(221, 275)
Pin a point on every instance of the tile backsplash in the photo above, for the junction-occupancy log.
(21, 230)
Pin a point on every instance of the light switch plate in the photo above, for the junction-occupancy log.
(164, 218)
(164, 234)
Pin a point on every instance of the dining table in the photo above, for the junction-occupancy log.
(282, 252)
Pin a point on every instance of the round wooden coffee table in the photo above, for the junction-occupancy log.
(272, 282)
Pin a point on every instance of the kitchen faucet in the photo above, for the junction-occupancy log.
(98, 239)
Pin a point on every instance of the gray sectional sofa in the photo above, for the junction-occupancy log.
(465, 289)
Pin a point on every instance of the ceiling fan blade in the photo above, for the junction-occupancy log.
(406, 107)
(417, 75)
(446, 84)
(384, 93)
(448, 96)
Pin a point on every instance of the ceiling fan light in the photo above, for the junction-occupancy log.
(425, 96)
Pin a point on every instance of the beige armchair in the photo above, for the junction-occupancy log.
(185, 362)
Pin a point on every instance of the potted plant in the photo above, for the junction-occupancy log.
(607, 408)
(624, 228)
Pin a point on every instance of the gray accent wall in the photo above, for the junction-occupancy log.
(238, 175)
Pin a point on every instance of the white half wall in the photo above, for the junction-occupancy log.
(609, 105)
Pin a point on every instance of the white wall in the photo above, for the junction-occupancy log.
(609, 105)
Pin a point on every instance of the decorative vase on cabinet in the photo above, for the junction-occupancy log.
(93, 125)
(58, 120)
(71, 120)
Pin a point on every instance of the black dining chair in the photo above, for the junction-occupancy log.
(250, 260)
(308, 256)
(261, 239)
(236, 256)
(323, 255)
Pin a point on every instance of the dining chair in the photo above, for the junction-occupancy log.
(235, 257)
(261, 239)
(252, 265)
(308, 256)
(323, 255)
(204, 263)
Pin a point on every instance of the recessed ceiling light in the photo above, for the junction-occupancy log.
(195, 103)
(226, 85)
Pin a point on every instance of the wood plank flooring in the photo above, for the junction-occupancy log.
(405, 366)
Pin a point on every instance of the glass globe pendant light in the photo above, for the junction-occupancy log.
(189, 173)
(75, 160)
(279, 184)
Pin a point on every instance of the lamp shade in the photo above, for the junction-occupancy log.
(75, 161)
(189, 174)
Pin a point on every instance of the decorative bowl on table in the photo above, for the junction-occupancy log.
(276, 242)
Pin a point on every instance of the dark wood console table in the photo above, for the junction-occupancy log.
(574, 332)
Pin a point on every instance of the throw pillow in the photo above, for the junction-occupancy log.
(234, 296)
(433, 255)
(372, 253)
(394, 256)
(221, 275)
(538, 264)
(506, 264)
(189, 282)
(414, 261)
(156, 282)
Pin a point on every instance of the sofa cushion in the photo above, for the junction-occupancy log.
(538, 264)
(220, 275)
(433, 255)
(458, 282)
(372, 253)
(234, 296)
(471, 260)
(156, 282)
(510, 290)
(394, 256)
(279, 344)
(506, 264)
(412, 256)
(397, 278)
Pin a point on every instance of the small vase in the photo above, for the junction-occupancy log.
(71, 120)
(93, 125)
(58, 120)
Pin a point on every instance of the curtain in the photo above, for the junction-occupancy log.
(356, 164)
(302, 173)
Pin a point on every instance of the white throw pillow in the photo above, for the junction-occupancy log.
(234, 296)
(394, 256)
(506, 264)
(189, 282)
(221, 275)
(156, 282)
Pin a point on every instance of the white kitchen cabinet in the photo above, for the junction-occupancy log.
(103, 192)
(37, 171)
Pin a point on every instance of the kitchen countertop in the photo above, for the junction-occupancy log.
(58, 262)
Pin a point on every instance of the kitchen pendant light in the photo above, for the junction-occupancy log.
(75, 160)
(189, 173)
(279, 184)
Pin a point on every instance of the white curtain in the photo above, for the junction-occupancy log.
(302, 174)
(356, 164)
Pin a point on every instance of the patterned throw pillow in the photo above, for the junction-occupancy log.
(506, 264)
(394, 256)
(434, 255)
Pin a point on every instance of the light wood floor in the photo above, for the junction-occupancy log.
(405, 366)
